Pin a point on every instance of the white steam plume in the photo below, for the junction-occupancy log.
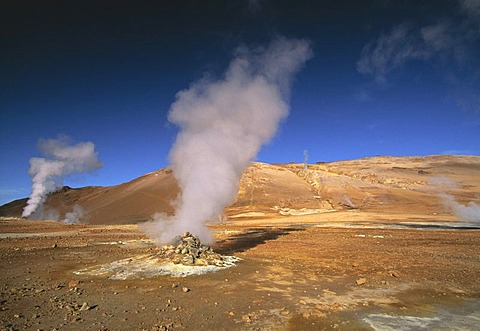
(61, 160)
(75, 215)
(469, 213)
(305, 160)
(223, 125)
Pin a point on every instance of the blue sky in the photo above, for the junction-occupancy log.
(387, 78)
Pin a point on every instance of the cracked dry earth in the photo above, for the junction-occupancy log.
(289, 278)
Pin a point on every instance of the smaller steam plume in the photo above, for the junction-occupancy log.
(223, 124)
(348, 201)
(305, 160)
(60, 160)
(469, 213)
(75, 215)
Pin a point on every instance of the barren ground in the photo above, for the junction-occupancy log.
(297, 273)
(352, 245)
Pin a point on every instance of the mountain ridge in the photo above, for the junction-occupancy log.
(411, 184)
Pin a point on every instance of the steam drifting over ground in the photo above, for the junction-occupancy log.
(75, 215)
(60, 160)
(469, 213)
(223, 125)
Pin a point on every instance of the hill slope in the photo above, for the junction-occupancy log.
(403, 184)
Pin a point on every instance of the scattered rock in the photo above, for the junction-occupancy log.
(57, 287)
(84, 307)
(185, 289)
(54, 245)
(361, 281)
(73, 283)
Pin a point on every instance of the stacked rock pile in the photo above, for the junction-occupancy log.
(188, 250)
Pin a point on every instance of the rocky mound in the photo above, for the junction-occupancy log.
(188, 250)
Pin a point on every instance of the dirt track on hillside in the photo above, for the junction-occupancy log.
(293, 277)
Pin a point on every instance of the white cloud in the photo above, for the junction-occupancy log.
(392, 50)
(437, 37)
(471, 8)
(450, 44)
(451, 41)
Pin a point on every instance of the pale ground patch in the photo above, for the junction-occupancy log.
(464, 317)
(146, 266)
(301, 211)
(248, 214)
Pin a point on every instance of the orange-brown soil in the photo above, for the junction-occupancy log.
(294, 277)
(353, 245)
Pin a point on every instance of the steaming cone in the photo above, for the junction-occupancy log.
(188, 250)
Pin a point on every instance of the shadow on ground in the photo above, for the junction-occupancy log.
(251, 238)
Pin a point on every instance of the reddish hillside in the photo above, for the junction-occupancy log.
(403, 184)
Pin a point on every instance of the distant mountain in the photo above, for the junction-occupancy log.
(406, 184)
